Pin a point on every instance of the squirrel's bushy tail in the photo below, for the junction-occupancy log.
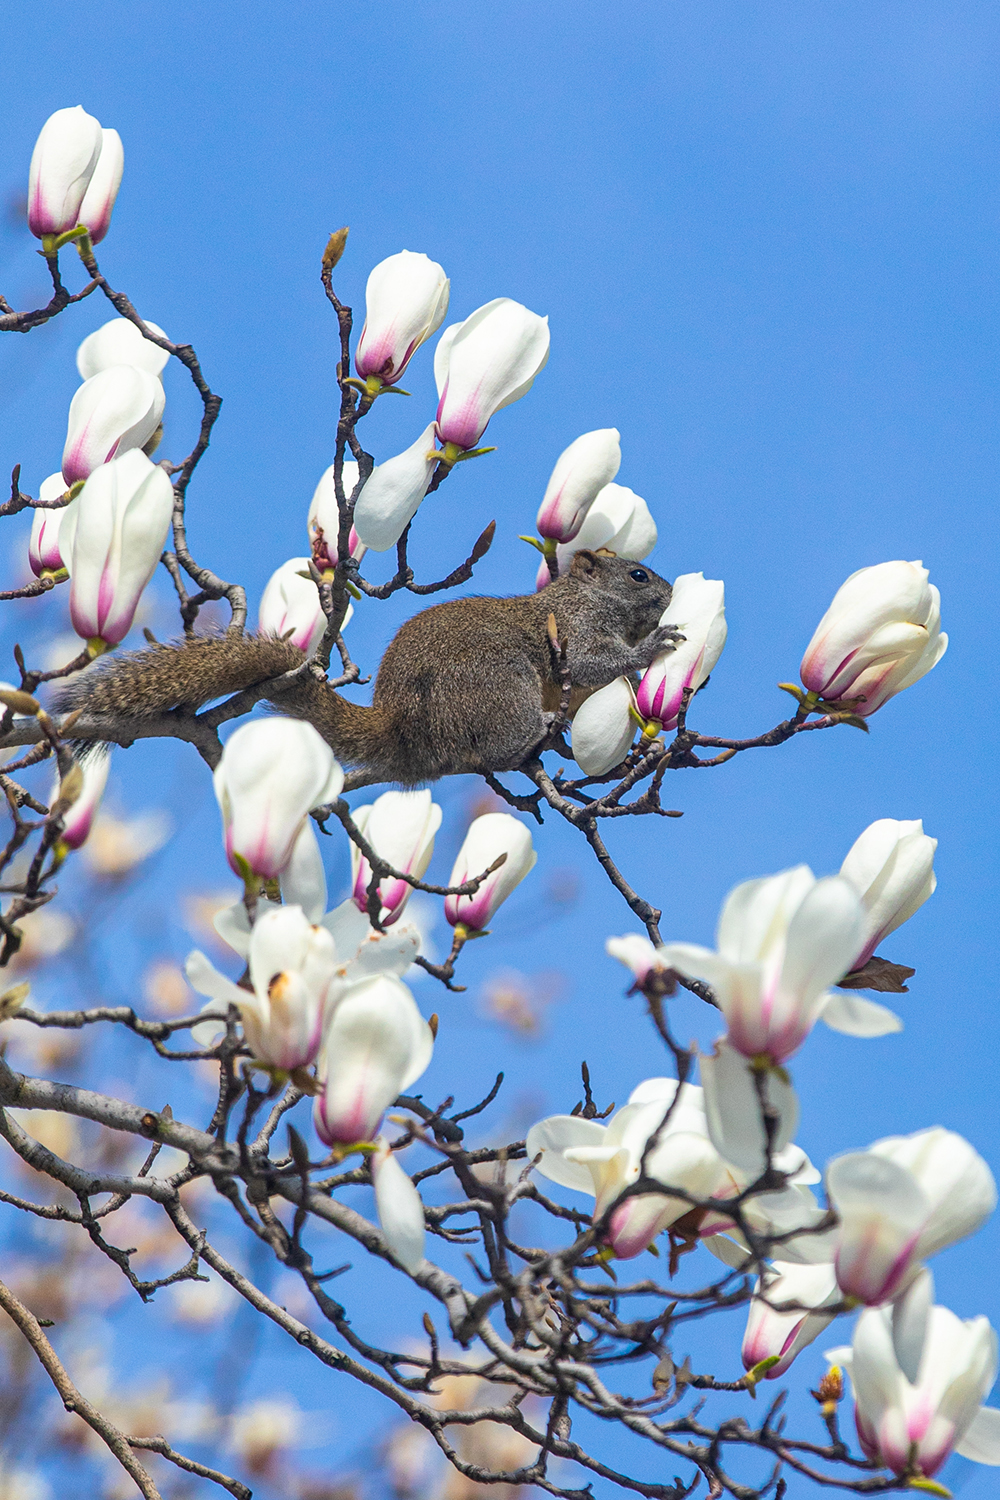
(188, 674)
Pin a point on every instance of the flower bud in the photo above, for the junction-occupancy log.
(619, 520)
(891, 866)
(405, 302)
(400, 1211)
(400, 826)
(881, 633)
(111, 539)
(581, 472)
(293, 968)
(485, 364)
(603, 728)
(273, 772)
(377, 1044)
(770, 1332)
(102, 190)
(488, 837)
(111, 413)
(62, 165)
(290, 606)
(697, 608)
(119, 342)
(44, 555)
(393, 492)
(324, 518)
(79, 817)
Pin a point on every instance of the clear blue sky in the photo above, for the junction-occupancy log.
(766, 239)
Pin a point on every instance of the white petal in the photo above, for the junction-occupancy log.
(204, 977)
(603, 728)
(732, 1106)
(400, 1211)
(847, 1012)
(981, 1441)
(553, 1137)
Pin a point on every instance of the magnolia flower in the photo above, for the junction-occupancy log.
(488, 837)
(102, 190)
(400, 826)
(881, 633)
(781, 941)
(62, 165)
(603, 1160)
(891, 866)
(324, 517)
(902, 1200)
(393, 492)
(770, 1331)
(44, 555)
(906, 1425)
(485, 364)
(400, 1211)
(79, 818)
(111, 539)
(376, 1045)
(405, 302)
(697, 609)
(290, 606)
(292, 971)
(112, 412)
(604, 727)
(581, 472)
(273, 772)
(619, 520)
(119, 342)
(636, 953)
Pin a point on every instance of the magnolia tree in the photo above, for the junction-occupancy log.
(546, 1322)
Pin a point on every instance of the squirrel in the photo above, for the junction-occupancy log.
(470, 685)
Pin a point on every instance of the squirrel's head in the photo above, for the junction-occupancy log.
(638, 596)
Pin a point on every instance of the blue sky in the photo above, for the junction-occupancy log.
(765, 237)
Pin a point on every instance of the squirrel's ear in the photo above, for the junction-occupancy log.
(584, 564)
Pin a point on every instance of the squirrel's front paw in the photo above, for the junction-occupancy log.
(663, 638)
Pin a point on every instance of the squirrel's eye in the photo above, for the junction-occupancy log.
(640, 575)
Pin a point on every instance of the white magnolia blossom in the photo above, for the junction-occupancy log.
(603, 1160)
(79, 818)
(485, 364)
(377, 1044)
(901, 1201)
(697, 609)
(637, 953)
(273, 772)
(44, 552)
(290, 606)
(111, 539)
(582, 471)
(400, 1211)
(771, 1332)
(406, 300)
(323, 521)
(119, 342)
(604, 727)
(293, 971)
(781, 941)
(891, 866)
(62, 165)
(400, 826)
(488, 837)
(102, 189)
(919, 1422)
(881, 633)
(619, 520)
(113, 412)
(393, 492)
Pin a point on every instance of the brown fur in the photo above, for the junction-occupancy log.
(467, 685)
